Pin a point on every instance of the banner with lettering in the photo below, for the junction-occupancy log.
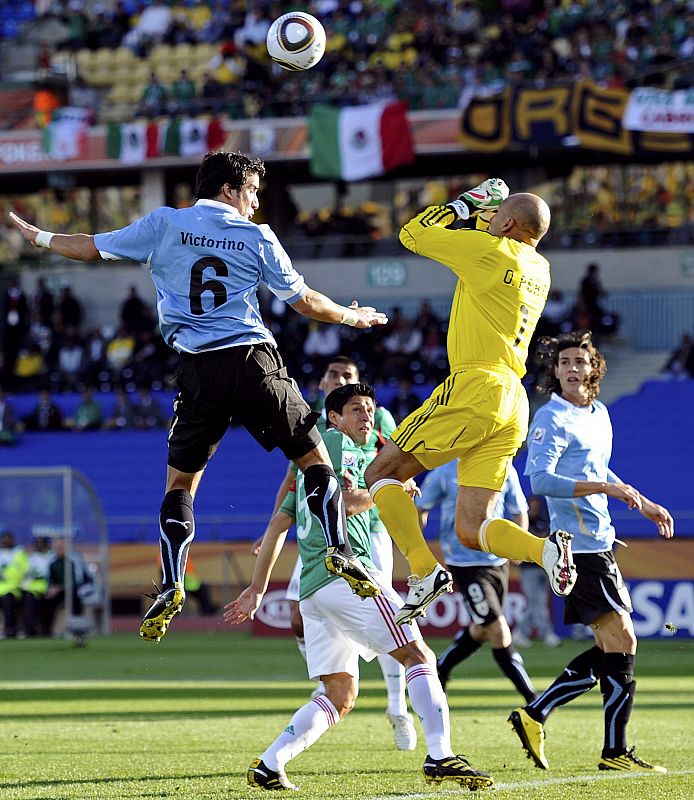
(659, 110)
(581, 115)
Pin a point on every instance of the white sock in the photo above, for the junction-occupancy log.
(301, 644)
(307, 725)
(394, 676)
(429, 703)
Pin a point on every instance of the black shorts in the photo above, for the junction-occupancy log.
(249, 384)
(484, 591)
(599, 589)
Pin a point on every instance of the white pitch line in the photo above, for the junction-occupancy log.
(535, 783)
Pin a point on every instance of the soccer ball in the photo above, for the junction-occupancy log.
(296, 41)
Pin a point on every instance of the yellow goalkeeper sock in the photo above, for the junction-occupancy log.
(507, 540)
(398, 513)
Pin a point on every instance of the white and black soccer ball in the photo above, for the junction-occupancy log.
(296, 41)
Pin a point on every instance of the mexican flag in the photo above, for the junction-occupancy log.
(135, 142)
(360, 141)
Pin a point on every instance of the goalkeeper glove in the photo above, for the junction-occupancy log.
(485, 198)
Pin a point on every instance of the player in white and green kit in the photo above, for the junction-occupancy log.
(339, 627)
(340, 371)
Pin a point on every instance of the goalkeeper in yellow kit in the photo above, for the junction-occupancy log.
(479, 414)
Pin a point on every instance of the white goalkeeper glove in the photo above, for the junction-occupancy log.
(485, 198)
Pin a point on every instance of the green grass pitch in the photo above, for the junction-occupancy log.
(125, 719)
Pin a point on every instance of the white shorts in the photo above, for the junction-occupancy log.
(381, 555)
(292, 592)
(339, 627)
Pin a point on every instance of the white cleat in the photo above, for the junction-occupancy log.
(558, 562)
(403, 730)
(422, 592)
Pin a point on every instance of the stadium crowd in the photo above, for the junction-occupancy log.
(431, 53)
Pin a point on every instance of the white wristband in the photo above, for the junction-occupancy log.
(43, 239)
(460, 207)
(350, 317)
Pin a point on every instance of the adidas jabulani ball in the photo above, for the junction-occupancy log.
(296, 41)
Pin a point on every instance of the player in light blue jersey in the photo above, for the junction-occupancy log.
(481, 578)
(207, 263)
(569, 449)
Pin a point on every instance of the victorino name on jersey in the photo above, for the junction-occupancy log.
(191, 240)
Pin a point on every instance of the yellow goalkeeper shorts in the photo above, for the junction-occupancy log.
(477, 415)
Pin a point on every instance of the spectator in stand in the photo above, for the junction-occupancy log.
(30, 368)
(119, 352)
(148, 360)
(47, 416)
(70, 360)
(401, 344)
(45, 103)
(592, 294)
(183, 93)
(152, 26)
(322, 340)
(680, 364)
(94, 357)
(8, 425)
(147, 413)
(212, 93)
(70, 311)
(556, 316)
(154, 97)
(42, 304)
(16, 321)
(405, 401)
(122, 416)
(88, 414)
(132, 312)
(426, 317)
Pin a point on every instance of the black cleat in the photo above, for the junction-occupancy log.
(262, 777)
(628, 762)
(458, 770)
(165, 607)
(353, 571)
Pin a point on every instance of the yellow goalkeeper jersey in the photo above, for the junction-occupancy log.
(502, 289)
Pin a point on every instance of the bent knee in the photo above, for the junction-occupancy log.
(468, 536)
(415, 652)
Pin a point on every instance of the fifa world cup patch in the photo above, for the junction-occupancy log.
(539, 435)
(349, 461)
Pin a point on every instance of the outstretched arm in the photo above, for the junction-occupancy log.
(248, 602)
(319, 307)
(659, 515)
(77, 246)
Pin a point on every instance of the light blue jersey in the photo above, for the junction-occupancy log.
(569, 443)
(207, 263)
(441, 486)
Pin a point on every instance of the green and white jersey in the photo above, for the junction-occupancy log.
(348, 459)
(384, 425)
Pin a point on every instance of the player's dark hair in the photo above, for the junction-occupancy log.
(348, 361)
(217, 169)
(548, 351)
(338, 398)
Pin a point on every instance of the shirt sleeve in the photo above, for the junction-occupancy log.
(546, 443)
(135, 242)
(288, 506)
(386, 423)
(278, 273)
(433, 491)
(463, 251)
